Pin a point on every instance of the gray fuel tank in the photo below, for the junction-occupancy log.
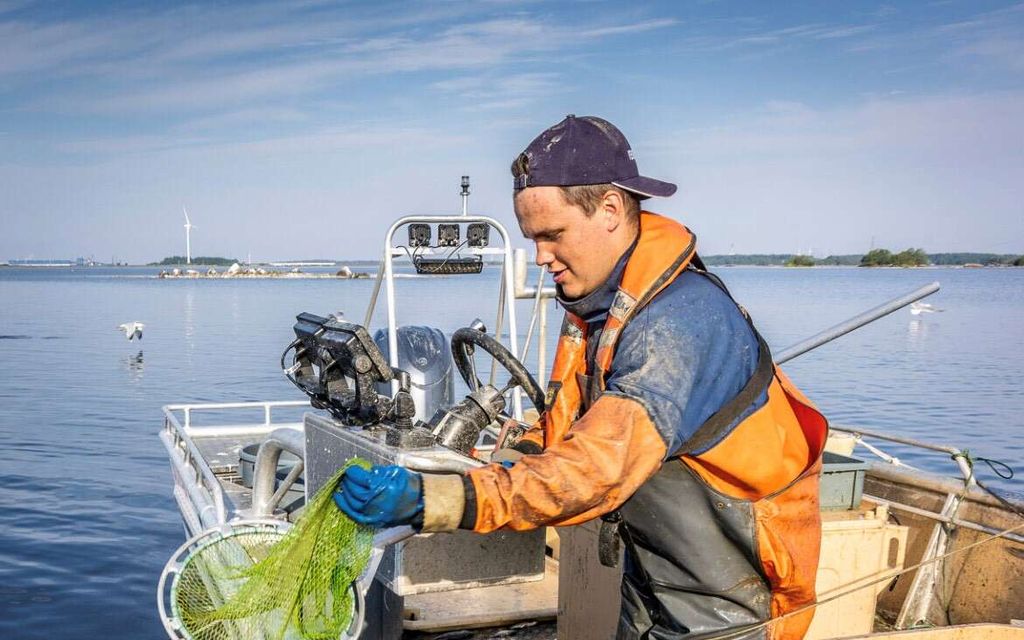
(424, 354)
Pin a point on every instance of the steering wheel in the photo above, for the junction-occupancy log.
(464, 342)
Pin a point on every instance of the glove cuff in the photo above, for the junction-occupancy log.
(527, 447)
(444, 500)
(507, 455)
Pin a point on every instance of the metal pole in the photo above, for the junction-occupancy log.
(542, 351)
(855, 322)
(389, 299)
(373, 296)
(508, 288)
(533, 317)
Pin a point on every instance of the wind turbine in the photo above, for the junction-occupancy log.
(188, 237)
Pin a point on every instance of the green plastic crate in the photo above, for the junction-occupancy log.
(842, 481)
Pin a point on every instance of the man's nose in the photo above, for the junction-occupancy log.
(544, 257)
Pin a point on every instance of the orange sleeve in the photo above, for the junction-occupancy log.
(605, 457)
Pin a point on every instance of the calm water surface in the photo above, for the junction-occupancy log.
(85, 491)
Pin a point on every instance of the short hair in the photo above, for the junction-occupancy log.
(588, 197)
(584, 196)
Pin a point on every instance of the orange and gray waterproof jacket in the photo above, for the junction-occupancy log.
(666, 415)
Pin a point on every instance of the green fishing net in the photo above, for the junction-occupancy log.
(255, 582)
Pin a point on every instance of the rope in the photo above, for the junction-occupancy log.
(998, 467)
(737, 633)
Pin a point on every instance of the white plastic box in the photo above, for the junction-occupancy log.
(857, 547)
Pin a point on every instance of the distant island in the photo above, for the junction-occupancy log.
(205, 267)
(800, 261)
(874, 258)
(217, 261)
(886, 258)
(181, 261)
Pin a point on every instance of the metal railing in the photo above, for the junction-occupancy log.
(918, 601)
(197, 490)
(539, 317)
(506, 298)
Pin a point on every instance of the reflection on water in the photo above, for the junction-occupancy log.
(134, 366)
(85, 485)
(917, 331)
(188, 320)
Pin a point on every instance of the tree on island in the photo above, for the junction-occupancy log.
(1019, 262)
(177, 261)
(885, 258)
(800, 261)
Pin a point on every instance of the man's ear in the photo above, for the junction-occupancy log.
(614, 209)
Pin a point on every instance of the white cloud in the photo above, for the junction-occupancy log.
(230, 119)
(142, 66)
(354, 136)
(500, 91)
(905, 169)
(638, 27)
(989, 37)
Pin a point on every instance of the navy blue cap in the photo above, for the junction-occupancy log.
(584, 150)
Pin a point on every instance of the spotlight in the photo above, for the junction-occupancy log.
(447, 235)
(419, 235)
(478, 234)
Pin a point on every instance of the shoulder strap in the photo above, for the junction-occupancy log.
(707, 433)
(712, 428)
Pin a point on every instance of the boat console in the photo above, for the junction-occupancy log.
(387, 397)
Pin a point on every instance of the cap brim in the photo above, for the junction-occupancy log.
(646, 187)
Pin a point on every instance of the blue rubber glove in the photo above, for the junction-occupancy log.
(381, 496)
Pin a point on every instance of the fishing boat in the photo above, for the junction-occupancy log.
(905, 553)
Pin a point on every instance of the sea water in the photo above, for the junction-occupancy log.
(87, 520)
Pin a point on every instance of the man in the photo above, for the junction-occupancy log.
(665, 415)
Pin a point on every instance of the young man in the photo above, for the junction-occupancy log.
(665, 415)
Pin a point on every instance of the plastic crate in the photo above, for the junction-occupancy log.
(857, 546)
(842, 481)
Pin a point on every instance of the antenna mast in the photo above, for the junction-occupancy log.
(465, 195)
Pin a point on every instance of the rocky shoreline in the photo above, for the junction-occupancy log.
(238, 271)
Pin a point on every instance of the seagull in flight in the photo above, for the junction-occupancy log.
(132, 330)
(917, 308)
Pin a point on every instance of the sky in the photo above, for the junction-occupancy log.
(303, 129)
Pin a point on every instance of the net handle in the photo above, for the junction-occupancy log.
(177, 561)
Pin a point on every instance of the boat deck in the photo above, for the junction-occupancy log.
(943, 515)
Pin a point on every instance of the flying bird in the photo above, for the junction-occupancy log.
(917, 308)
(132, 330)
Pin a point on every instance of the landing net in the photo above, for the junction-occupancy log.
(254, 581)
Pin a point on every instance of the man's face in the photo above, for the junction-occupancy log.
(579, 251)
